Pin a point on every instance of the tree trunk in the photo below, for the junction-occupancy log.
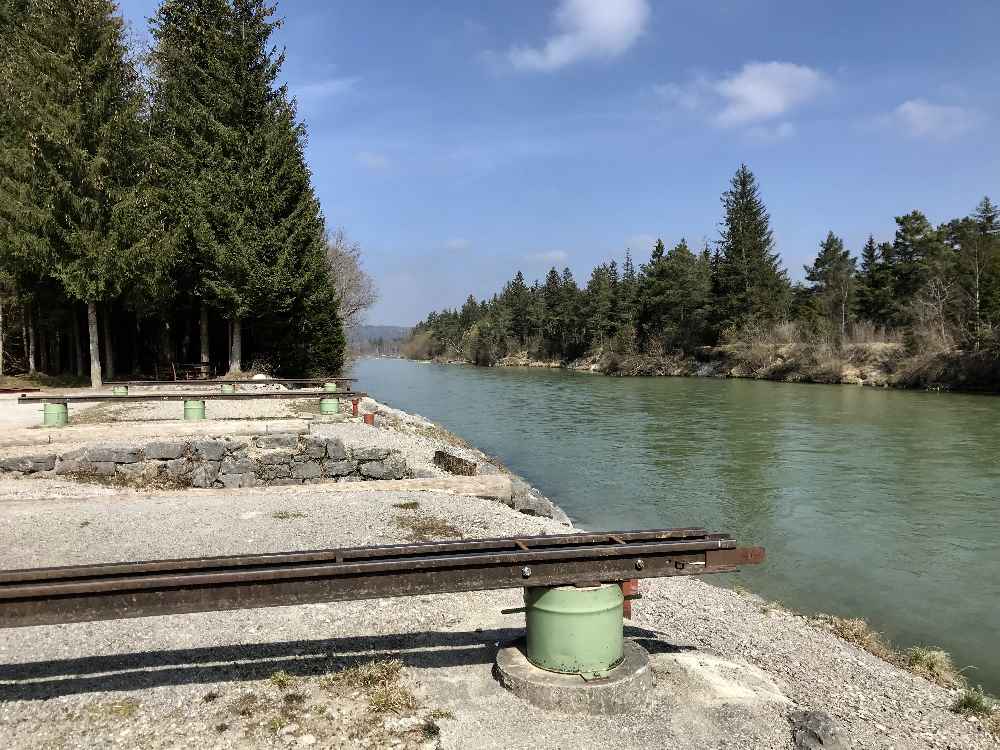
(109, 353)
(32, 341)
(43, 350)
(167, 344)
(236, 347)
(77, 348)
(95, 353)
(1, 337)
(204, 334)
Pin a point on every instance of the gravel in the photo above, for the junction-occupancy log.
(730, 669)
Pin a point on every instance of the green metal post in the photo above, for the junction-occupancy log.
(574, 630)
(120, 390)
(194, 409)
(329, 406)
(229, 388)
(330, 387)
(55, 415)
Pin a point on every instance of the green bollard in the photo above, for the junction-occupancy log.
(329, 406)
(120, 390)
(574, 630)
(330, 387)
(194, 410)
(229, 388)
(55, 415)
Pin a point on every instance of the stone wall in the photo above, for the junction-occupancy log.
(275, 459)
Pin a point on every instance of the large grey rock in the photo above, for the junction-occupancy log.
(273, 457)
(269, 473)
(454, 464)
(817, 730)
(68, 466)
(209, 450)
(237, 466)
(177, 469)
(29, 464)
(370, 454)
(393, 467)
(314, 447)
(103, 468)
(335, 468)
(140, 472)
(112, 454)
(204, 474)
(277, 440)
(335, 449)
(238, 480)
(165, 450)
(309, 470)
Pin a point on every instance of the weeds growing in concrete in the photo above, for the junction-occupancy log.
(426, 528)
(382, 683)
(408, 505)
(287, 515)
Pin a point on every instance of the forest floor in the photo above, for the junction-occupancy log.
(731, 670)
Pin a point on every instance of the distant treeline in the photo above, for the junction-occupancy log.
(157, 203)
(936, 288)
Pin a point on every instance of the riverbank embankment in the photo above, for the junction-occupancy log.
(731, 670)
(881, 365)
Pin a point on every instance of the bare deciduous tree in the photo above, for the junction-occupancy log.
(355, 288)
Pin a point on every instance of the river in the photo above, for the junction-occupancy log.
(871, 503)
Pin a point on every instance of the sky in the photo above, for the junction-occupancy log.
(459, 142)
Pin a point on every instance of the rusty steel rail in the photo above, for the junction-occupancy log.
(47, 596)
(56, 398)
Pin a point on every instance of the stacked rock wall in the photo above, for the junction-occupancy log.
(276, 459)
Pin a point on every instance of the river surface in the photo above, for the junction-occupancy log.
(871, 503)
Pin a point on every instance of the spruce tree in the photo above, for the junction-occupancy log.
(674, 292)
(918, 256)
(832, 277)
(874, 284)
(235, 200)
(751, 286)
(79, 101)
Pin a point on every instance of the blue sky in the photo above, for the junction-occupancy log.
(460, 141)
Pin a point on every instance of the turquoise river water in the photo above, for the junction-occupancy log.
(871, 503)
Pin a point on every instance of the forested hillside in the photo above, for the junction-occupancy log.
(157, 208)
(928, 290)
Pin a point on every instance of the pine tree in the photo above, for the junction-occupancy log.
(874, 284)
(79, 101)
(832, 276)
(750, 284)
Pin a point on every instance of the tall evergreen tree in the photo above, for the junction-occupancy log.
(874, 290)
(79, 100)
(231, 179)
(674, 293)
(918, 255)
(832, 276)
(749, 282)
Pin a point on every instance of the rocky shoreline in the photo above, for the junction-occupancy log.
(879, 365)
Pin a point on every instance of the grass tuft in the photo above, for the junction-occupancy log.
(408, 505)
(935, 665)
(426, 528)
(381, 681)
(246, 704)
(282, 680)
(287, 515)
(974, 702)
(858, 632)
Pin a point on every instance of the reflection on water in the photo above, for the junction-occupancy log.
(871, 503)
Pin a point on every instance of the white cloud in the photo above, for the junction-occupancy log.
(550, 256)
(457, 244)
(922, 119)
(777, 132)
(322, 89)
(587, 29)
(757, 93)
(373, 160)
